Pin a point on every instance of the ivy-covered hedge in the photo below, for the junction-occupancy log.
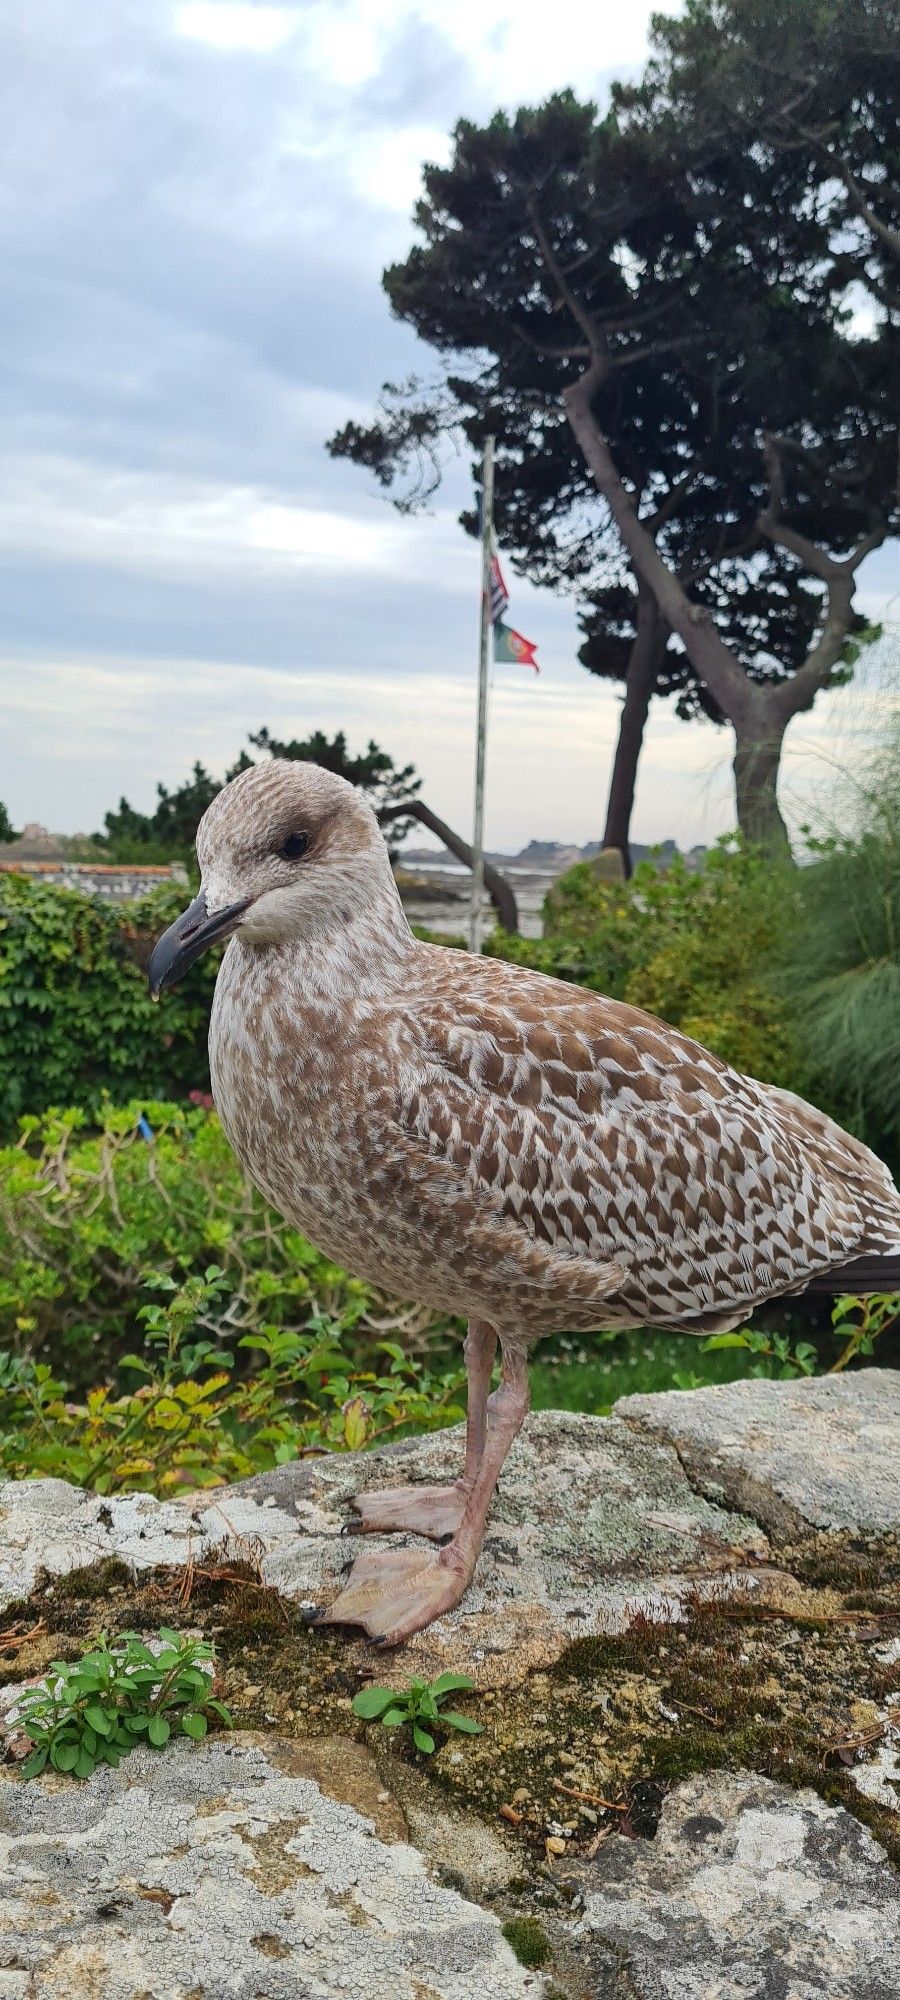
(76, 1019)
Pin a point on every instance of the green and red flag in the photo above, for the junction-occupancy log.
(511, 649)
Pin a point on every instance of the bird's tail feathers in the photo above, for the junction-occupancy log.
(871, 1273)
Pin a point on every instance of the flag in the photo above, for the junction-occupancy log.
(499, 592)
(511, 649)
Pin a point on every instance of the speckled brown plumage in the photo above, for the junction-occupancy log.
(488, 1140)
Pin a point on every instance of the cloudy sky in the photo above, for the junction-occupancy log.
(196, 204)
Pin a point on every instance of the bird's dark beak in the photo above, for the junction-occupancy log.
(188, 938)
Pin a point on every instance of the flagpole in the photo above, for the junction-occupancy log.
(484, 667)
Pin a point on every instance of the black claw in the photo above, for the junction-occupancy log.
(312, 1616)
(382, 1640)
(352, 1528)
(442, 1540)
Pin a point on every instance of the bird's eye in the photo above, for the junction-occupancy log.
(295, 845)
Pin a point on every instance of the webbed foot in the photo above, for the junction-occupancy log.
(435, 1511)
(396, 1592)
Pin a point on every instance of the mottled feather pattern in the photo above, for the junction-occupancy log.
(495, 1142)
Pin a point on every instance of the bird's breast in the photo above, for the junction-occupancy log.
(299, 1106)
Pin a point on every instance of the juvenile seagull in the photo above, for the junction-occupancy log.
(492, 1142)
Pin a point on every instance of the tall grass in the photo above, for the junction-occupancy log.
(843, 956)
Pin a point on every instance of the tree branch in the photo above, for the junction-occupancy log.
(826, 567)
(553, 352)
(501, 895)
(799, 693)
(626, 357)
(663, 513)
(579, 313)
(884, 231)
(711, 658)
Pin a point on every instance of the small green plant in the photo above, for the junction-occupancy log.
(420, 1703)
(779, 1356)
(860, 1321)
(95, 1710)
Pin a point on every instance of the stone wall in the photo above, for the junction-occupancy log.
(115, 884)
(684, 1635)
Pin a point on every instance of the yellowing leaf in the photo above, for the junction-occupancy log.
(356, 1423)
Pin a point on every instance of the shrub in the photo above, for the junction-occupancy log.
(698, 947)
(842, 974)
(76, 1019)
(86, 1210)
(195, 1420)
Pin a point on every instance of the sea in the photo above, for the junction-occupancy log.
(448, 913)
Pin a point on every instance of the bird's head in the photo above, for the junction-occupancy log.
(286, 850)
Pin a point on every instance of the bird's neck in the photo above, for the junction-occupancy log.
(357, 951)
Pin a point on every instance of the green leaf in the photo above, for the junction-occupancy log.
(85, 1764)
(158, 1731)
(99, 1721)
(64, 1756)
(717, 1341)
(394, 1716)
(35, 1764)
(422, 1740)
(219, 1709)
(371, 1701)
(450, 1683)
(464, 1722)
(194, 1724)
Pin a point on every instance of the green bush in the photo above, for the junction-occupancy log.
(86, 1210)
(195, 1419)
(697, 947)
(76, 1019)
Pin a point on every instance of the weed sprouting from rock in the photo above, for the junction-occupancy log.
(418, 1705)
(122, 1692)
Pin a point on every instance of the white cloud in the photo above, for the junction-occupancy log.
(232, 26)
(385, 168)
(550, 743)
(513, 52)
(162, 525)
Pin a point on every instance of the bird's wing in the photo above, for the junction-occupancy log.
(616, 1140)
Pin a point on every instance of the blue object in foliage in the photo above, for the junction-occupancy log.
(145, 1128)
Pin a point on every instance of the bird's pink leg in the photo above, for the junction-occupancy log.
(437, 1510)
(394, 1594)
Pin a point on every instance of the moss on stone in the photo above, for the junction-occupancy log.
(588, 1745)
(93, 1581)
(529, 1941)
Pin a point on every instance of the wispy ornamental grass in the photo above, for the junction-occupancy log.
(843, 970)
